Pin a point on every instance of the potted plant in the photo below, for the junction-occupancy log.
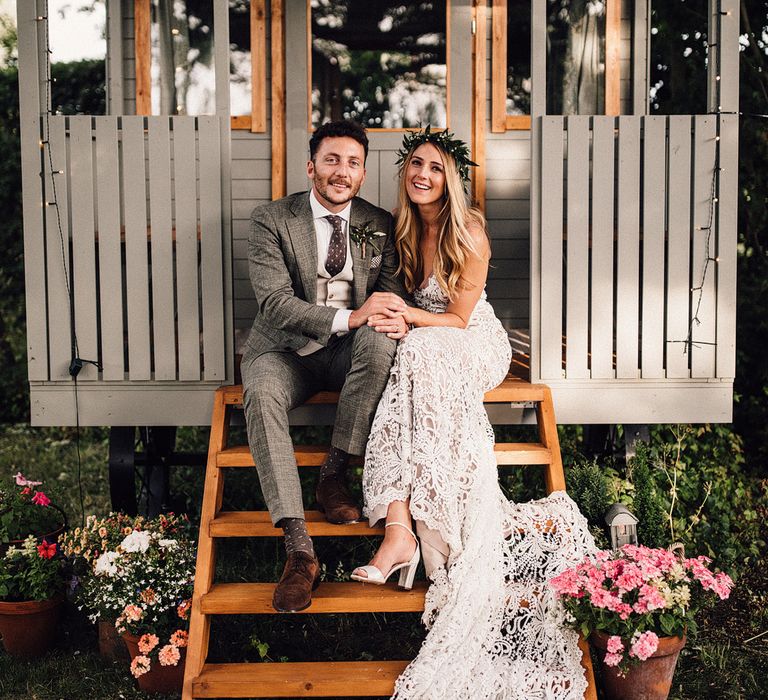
(25, 509)
(31, 594)
(635, 606)
(82, 547)
(144, 583)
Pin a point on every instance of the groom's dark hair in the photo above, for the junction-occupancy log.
(343, 127)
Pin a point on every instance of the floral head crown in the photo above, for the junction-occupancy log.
(444, 140)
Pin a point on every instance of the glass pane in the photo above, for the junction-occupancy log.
(183, 80)
(78, 56)
(519, 57)
(239, 57)
(382, 64)
(678, 57)
(575, 56)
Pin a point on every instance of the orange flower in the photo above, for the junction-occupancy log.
(147, 642)
(139, 666)
(179, 638)
(169, 655)
(133, 613)
(184, 607)
(148, 596)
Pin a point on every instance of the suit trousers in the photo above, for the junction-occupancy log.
(356, 364)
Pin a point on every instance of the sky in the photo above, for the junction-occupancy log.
(76, 35)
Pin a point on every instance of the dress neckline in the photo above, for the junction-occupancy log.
(425, 282)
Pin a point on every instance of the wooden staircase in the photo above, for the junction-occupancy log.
(329, 678)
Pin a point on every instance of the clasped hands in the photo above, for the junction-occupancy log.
(385, 312)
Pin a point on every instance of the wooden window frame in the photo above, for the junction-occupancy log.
(500, 120)
(379, 130)
(256, 121)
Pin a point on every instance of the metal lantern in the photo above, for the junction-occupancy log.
(622, 524)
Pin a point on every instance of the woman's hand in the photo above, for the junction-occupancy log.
(394, 325)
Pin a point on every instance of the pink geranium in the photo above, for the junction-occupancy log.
(21, 480)
(180, 638)
(40, 499)
(644, 645)
(633, 595)
(133, 613)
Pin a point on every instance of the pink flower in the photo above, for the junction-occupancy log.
(644, 645)
(722, 585)
(179, 638)
(169, 655)
(147, 642)
(21, 480)
(615, 645)
(612, 659)
(139, 666)
(652, 598)
(40, 499)
(567, 583)
(133, 613)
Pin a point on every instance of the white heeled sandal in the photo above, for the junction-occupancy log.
(407, 569)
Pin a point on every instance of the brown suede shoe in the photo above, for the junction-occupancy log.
(301, 576)
(334, 499)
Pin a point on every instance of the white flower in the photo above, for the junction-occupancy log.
(105, 564)
(136, 542)
(168, 544)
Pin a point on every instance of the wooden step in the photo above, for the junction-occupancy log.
(298, 680)
(508, 453)
(353, 597)
(511, 390)
(256, 523)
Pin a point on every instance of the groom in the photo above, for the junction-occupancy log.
(316, 286)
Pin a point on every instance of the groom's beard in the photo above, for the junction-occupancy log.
(326, 191)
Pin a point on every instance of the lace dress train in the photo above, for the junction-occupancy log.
(496, 629)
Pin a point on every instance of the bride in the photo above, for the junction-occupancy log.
(496, 629)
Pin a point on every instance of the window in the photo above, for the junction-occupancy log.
(383, 64)
(679, 48)
(581, 55)
(175, 67)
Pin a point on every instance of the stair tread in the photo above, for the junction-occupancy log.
(257, 523)
(351, 597)
(512, 390)
(298, 679)
(507, 453)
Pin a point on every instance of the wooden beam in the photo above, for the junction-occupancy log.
(258, 66)
(278, 99)
(499, 66)
(241, 122)
(478, 107)
(520, 122)
(141, 32)
(613, 58)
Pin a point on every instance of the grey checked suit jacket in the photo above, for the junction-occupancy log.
(282, 262)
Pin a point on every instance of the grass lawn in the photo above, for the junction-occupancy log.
(719, 663)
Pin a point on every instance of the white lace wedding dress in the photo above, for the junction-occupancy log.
(496, 629)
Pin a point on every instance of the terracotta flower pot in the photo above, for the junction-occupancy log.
(648, 680)
(111, 647)
(159, 678)
(28, 628)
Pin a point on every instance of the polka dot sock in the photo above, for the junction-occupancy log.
(335, 464)
(297, 538)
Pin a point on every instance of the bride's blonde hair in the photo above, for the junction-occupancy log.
(454, 241)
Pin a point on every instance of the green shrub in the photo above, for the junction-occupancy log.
(648, 505)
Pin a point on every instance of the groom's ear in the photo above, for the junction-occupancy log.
(310, 169)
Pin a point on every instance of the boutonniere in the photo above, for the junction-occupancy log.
(365, 234)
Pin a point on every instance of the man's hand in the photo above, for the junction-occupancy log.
(395, 326)
(385, 303)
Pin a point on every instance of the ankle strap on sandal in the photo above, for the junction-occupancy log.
(403, 525)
